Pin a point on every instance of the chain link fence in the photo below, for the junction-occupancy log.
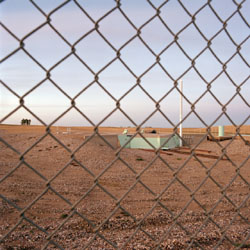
(98, 196)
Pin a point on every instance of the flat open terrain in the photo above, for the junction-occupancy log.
(78, 193)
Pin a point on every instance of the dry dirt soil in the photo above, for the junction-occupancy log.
(58, 192)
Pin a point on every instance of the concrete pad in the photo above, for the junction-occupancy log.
(111, 139)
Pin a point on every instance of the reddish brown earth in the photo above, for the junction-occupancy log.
(77, 197)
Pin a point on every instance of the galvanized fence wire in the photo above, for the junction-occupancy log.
(118, 157)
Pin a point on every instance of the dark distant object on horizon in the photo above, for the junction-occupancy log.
(25, 122)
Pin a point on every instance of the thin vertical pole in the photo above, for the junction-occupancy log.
(181, 110)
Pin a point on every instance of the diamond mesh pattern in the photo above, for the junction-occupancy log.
(116, 53)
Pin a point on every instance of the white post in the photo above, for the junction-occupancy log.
(181, 110)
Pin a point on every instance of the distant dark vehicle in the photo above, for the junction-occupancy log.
(153, 131)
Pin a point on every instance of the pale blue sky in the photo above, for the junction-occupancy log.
(20, 73)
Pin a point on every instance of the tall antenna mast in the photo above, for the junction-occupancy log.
(181, 110)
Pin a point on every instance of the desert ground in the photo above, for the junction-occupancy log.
(61, 189)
